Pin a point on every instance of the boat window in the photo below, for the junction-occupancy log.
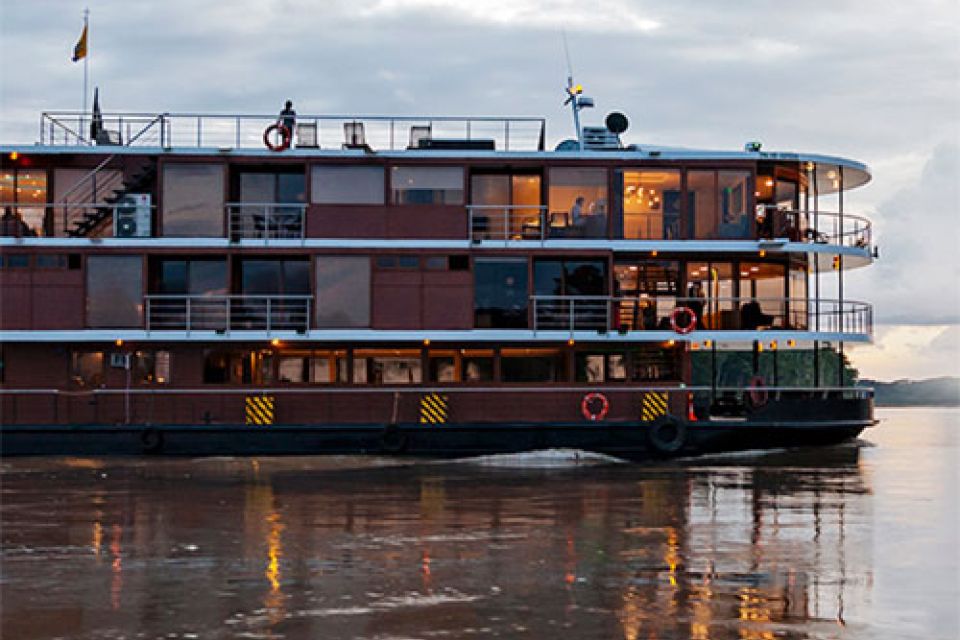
(275, 277)
(51, 261)
(396, 366)
(398, 262)
(265, 187)
(717, 204)
(114, 291)
(15, 261)
(600, 367)
(222, 366)
(646, 291)
(346, 185)
(798, 296)
(710, 295)
(762, 291)
(653, 363)
(86, 368)
(151, 367)
(343, 291)
(532, 365)
(193, 277)
(460, 365)
(578, 202)
(315, 367)
(427, 185)
(570, 277)
(651, 205)
(435, 263)
(192, 200)
(505, 205)
(24, 197)
(500, 292)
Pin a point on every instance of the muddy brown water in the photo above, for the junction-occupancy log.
(852, 541)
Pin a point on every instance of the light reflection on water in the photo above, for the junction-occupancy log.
(855, 541)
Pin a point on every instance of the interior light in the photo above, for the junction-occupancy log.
(670, 343)
(773, 346)
(275, 342)
(763, 253)
(426, 342)
(654, 253)
(571, 342)
(119, 342)
(769, 182)
(791, 343)
(14, 155)
(708, 343)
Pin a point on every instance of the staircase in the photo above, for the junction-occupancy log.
(99, 186)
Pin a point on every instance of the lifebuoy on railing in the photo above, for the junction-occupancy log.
(595, 406)
(285, 137)
(685, 328)
(756, 393)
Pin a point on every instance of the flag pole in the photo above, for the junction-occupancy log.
(86, 61)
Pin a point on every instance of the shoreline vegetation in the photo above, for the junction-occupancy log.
(931, 392)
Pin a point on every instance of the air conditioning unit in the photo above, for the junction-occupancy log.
(120, 360)
(131, 216)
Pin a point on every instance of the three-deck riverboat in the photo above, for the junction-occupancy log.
(443, 286)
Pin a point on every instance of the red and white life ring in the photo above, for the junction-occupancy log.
(285, 137)
(679, 311)
(756, 393)
(589, 406)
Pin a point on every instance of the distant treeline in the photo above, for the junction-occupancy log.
(941, 392)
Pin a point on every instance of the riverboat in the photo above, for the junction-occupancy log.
(210, 284)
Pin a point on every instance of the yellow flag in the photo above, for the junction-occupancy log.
(80, 51)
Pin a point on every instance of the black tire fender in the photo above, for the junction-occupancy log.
(667, 435)
(392, 440)
(151, 440)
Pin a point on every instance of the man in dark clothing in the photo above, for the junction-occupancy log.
(288, 117)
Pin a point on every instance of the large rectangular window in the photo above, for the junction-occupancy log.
(343, 291)
(427, 185)
(762, 291)
(114, 291)
(717, 204)
(275, 277)
(24, 192)
(646, 292)
(500, 292)
(335, 184)
(711, 295)
(192, 199)
(506, 205)
(230, 366)
(86, 368)
(651, 205)
(399, 366)
(532, 365)
(313, 367)
(578, 202)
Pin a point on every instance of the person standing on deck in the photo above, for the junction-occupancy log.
(288, 117)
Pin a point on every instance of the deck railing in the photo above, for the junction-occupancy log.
(531, 222)
(227, 313)
(821, 227)
(246, 131)
(266, 220)
(607, 313)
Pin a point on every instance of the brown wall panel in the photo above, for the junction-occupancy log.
(348, 221)
(57, 307)
(436, 222)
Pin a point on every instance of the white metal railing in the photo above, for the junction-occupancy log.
(326, 131)
(603, 313)
(266, 220)
(821, 227)
(68, 211)
(227, 313)
(531, 222)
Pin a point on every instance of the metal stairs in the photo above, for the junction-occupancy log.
(135, 180)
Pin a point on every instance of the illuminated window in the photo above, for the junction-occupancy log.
(427, 185)
(380, 366)
(23, 194)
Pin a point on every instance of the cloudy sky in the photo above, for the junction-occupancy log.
(875, 80)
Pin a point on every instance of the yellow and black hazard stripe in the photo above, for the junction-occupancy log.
(260, 410)
(653, 406)
(433, 409)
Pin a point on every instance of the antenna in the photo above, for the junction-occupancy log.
(574, 92)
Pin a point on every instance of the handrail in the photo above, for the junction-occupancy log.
(486, 224)
(844, 229)
(266, 220)
(224, 313)
(609, 313)
(246, 130)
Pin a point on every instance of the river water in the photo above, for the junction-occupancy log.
(854, 541)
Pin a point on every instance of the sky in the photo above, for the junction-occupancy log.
(873, 80)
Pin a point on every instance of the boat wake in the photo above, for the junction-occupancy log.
(542, 459)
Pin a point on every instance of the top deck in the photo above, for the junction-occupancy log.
(388, 136)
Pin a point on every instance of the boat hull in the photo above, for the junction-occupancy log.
(632, 441)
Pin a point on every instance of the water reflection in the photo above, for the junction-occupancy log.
(774, 547)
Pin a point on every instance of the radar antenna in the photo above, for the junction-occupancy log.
(575, 97)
